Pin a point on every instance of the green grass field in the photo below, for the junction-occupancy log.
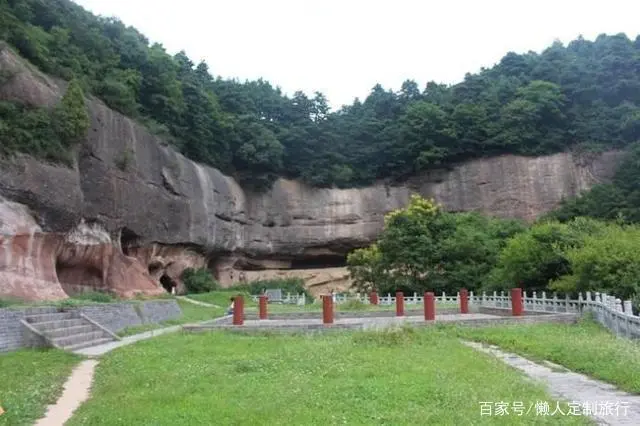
(401, 377)
(585, 347)
(29, 381)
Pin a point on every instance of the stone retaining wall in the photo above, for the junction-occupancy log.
(113, 316)
(564, 318)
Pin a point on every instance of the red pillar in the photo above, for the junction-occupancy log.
(429, 306)
(464, 301)
(263, 307)
(373, 298)
(327, 309)
(238, 311)
(399, 304)
(516, 302)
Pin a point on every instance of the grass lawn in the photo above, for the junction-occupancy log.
(402, 377)
(190, 313)
(585, 347)
(29, 381)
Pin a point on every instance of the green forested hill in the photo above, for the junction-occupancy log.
(585, 95)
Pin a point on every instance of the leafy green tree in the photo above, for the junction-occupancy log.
(607, 261)
(423, 247)
(534, 258)
(70, 116)
(366, 268)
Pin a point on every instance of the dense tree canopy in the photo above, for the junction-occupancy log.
(423, 247)
(586, 93)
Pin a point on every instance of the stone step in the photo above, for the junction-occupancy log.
(88, 344)
(57, 316)
(75, 339)
(55, 325)
(68, 331)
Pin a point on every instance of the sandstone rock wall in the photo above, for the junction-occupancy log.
(149, 196)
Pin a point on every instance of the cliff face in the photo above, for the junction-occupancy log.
(171, 213)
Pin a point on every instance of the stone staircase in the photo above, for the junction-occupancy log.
(68, 331)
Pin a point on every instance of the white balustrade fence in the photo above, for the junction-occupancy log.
(289, 299)
(609, 311)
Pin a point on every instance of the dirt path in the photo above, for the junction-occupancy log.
(76, 391)
(197, 302)
(601, 401)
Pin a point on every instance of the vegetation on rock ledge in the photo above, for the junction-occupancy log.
(583, 94)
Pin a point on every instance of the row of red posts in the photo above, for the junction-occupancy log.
(328, 312)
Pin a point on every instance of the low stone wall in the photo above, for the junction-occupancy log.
(564, 318)
(113, 316)
(13, 335)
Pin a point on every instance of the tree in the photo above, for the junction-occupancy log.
(70, 116)
(607, 261)
(534, 258)
(423, 247)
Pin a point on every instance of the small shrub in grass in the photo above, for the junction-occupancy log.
(199, 280)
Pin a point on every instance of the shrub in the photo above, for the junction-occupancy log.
(533, 258)
(607, 261)
(70, 117)
(199, 280)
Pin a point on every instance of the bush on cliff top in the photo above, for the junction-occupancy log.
(43, 133)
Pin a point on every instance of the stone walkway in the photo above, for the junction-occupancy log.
(573, 387)
(76, 391)
(197, 302)
(107, 347)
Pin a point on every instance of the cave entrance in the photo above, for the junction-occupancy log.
(77, 278)
(167, 283)
(128, 239)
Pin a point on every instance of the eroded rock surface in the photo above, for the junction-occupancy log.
(160, 205)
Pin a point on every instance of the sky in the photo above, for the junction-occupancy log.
(342, 48)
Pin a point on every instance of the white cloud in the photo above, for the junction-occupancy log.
(344, 47)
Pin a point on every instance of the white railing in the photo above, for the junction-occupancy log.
(289, 299)
(608, 310)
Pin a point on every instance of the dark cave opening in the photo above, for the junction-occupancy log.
(128, 238)
(167, 283)
(154, 267)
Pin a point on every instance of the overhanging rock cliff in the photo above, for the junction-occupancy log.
(171, 213)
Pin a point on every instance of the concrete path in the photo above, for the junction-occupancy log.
(107, 347)
(76, 391)
(601, 401)
(197, 302)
